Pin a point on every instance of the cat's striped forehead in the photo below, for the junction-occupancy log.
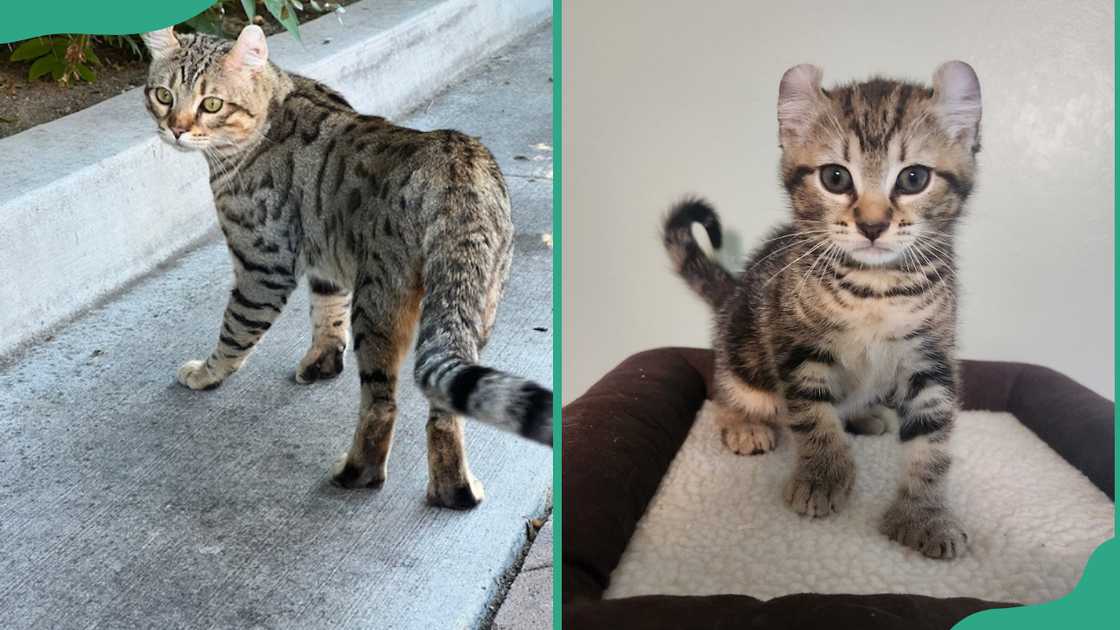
(197, 56)
(877, 111)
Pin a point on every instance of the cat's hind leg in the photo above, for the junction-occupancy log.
(746, 415)
(382, 320)
(876, 420)
(330, 326)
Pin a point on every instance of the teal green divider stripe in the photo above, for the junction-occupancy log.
(22, 19)
(1093, 602)
(557, 320)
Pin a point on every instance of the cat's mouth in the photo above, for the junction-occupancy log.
(184, 143)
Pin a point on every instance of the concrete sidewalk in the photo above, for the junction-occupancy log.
(127, 501)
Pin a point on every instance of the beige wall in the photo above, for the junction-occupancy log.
(672, 97)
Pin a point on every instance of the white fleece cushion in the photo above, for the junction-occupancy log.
(718, 523)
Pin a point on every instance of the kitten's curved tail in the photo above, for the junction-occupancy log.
(705, 276)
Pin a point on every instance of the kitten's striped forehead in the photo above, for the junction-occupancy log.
(877, 111)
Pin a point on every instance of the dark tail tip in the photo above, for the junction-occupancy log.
(695, 210)
(536, 424)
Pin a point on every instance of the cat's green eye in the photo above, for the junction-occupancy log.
(912, 180)
(211, 104)
(836, 179)
(163, 95)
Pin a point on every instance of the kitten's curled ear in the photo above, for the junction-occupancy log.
(799, 94)
(161, 43)
(250, 53)
(956, 90)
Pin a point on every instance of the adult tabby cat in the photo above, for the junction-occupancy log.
(846, 317)
(390, 224)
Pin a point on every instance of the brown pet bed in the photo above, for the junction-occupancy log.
(620, 437)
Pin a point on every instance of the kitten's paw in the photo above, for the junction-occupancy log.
(931, 529)
(196, 375)
(820, 487)
(347, 474)
(749, 438)
(457, 496)
(321, 363)
(876, 421)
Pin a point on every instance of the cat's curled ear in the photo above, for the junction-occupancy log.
(250, 53)
(161, 43)
(956, 90)
(798, 101)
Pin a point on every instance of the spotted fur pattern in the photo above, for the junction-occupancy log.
(397, 229)
(846, 317)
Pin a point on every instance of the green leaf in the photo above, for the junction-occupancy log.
(250, 7)
(30, 49)
(42, 66)
(280, 10)
(58, 71)
(85, 72)
(92, 56)
(205, 22)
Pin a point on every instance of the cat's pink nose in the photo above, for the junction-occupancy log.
(178, 131)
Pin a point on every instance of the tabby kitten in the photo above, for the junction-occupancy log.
(846, 317)
(391, 225)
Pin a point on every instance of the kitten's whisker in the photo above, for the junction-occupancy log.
(810, 251)
(795, 234)
(781, 249)
(809, 272)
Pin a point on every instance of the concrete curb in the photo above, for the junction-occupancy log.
(93, 200)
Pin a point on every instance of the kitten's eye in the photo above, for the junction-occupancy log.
(163, 95)
(836, 178)
(912, 180)
(211, 104)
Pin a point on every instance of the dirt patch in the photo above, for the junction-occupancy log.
(24, 104)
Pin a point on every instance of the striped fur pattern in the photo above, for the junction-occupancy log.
(395, 228)
(845, 318)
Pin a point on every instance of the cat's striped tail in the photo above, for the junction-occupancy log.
(449, 379)
(705, 276)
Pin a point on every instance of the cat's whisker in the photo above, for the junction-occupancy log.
(784, 247)
(795, 234)
(808, 273)
(810, 251)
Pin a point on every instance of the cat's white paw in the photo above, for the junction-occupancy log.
(195, 375)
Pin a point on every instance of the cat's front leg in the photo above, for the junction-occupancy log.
(254, 304)
(825, 472)
(919, 517)
(330, 325)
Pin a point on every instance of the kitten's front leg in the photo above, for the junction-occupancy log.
(919, 516)
(822, 480)
(253, 305)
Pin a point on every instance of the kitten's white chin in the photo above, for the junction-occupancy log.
(873, 255)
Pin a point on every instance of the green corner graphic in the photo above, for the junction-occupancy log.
(23, 20)
(1092, 603)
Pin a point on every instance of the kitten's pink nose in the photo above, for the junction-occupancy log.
(178, 131)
